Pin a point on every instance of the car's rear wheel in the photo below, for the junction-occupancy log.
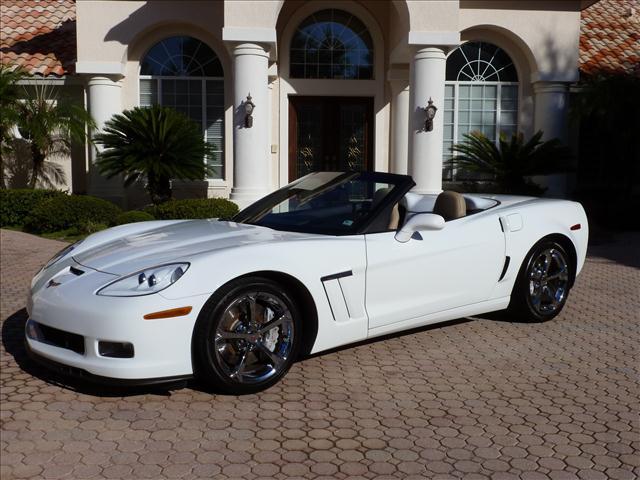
(543, 283)
(247, 336)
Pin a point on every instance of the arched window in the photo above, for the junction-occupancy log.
(185, 74)
(481, 94)
(331, 44)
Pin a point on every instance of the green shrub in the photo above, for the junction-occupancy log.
(193, 208)
(16, 205)
(132, 217)
(71, 211)
(87, 227)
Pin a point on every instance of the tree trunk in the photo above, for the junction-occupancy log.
(38, 158)
(159, 188)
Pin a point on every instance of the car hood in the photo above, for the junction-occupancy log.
(172, 242)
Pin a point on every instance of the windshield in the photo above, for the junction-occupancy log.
(332, 203)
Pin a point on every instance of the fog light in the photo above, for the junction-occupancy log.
(115, 349)
(33, 330)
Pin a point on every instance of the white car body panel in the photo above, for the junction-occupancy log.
(362, 285)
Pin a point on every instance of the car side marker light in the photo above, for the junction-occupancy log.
(173, 312)
(577, 226)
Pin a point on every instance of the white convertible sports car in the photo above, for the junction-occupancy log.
(330, 259)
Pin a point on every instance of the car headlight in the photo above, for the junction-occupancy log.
(145, 282)
(62, 253)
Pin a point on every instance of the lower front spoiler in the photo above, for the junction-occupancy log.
(80, 374)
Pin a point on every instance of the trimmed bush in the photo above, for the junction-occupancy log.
(133, 216)
(193, 208)
(16, 205)
(71, 211)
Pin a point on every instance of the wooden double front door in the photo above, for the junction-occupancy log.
(330, 133)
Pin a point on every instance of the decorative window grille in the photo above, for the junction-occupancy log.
(481, 94)
(185, 74)
(331, 44)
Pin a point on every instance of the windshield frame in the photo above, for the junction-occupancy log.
(401, 185)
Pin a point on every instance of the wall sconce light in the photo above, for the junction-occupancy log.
(431, 113)
(249, 106)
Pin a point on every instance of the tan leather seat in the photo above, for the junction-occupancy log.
(450, 205)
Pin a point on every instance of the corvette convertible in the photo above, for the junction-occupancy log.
(331, 259)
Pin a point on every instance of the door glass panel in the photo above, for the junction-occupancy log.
(309, 141)
(352, 137)
(331, 134)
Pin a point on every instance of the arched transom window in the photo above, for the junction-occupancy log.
(481, 94)
(184, 73)
(331, 44)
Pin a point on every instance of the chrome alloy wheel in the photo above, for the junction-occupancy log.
(548, 278)
(254, 337)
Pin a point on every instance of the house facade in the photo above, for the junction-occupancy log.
(283, 87)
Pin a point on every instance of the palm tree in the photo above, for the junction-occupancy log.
(511, 161)
(606, 107)
(155, 142)
(50, 124)
(9, 103)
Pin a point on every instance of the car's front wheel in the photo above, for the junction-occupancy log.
(543, 283)
(247, 336)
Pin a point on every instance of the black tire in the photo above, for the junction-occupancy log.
(535, 296)
(210, 362)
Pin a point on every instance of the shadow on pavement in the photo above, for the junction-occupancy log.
(619, 247)
(13, 342)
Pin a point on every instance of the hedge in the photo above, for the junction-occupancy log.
(193, 208)
(17, 204)
(71, 211)
(133, 216)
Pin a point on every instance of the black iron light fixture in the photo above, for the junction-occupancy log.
(249, 106)
(431, 113)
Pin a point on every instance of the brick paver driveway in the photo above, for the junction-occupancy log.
(471, 399)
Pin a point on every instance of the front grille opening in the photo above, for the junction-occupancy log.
(115, 349)
(57, 338)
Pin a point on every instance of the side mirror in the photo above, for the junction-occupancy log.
(419, 222)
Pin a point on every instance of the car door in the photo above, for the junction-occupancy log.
(434, 271)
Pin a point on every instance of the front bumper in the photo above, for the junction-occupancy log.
(81, 374)
(162, 348)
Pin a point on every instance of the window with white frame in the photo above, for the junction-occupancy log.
(185, 74)
(332, 44)
(481, 94)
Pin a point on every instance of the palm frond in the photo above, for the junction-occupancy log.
(511, 160)
(156, 142)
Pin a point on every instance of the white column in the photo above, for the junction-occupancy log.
(399, 125)
(251, 157)
(550, 116)
(427, 78)
(104, 98)
(551, 103)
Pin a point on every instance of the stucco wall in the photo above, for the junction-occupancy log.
(541, 36)
(545, 33)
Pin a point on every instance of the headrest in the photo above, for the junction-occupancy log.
(450, 205)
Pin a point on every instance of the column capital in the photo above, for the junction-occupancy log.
(265, 38)
(107, 69)
(429, 52)
(550, 87)
(445, 39)
(255, 49)
(104, 80)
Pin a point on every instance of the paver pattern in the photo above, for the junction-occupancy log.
(481, 398)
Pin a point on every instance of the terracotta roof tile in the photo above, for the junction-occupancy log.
(610, 37)
(39, 35)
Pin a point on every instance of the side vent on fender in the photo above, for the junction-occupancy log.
(335, 295)
(505, 268)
